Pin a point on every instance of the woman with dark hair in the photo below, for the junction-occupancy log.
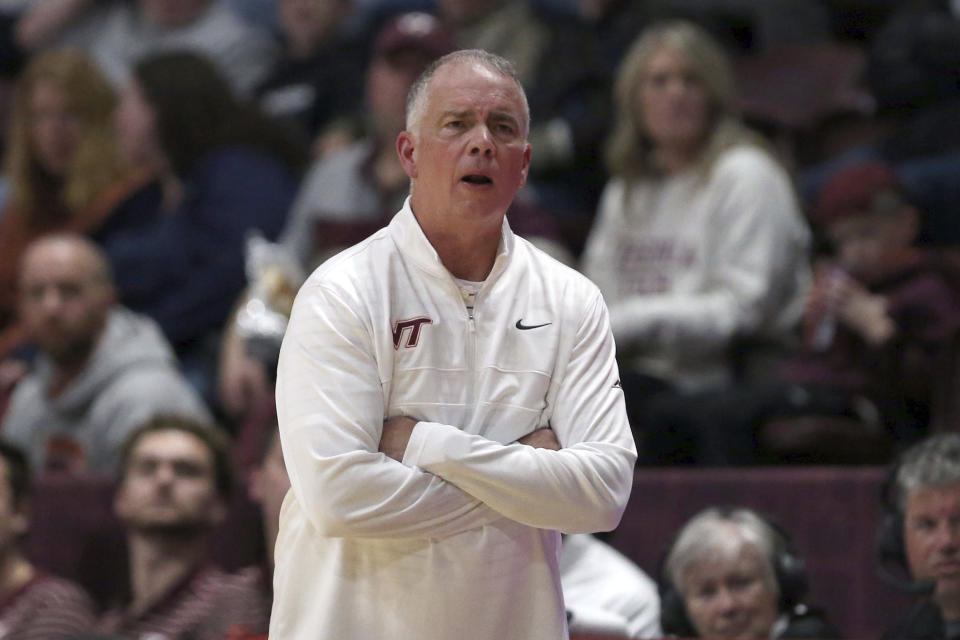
(229, 170)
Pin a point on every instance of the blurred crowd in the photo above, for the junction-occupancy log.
(765, 192)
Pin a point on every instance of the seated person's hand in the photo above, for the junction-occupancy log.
(543, 438)
(835, 292)
(866, 314)
(396, 435)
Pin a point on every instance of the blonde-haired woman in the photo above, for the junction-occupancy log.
(698, 241)
(61, 163)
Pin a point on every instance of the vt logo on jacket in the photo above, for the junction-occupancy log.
(413, 335)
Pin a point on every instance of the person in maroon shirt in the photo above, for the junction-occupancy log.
(33, 605)
(174, 487)
(882, 311)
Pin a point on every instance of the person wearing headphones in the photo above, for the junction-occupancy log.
(921, 534)
(732, 574)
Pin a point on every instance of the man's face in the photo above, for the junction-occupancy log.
(13, 520)
(931, 529)
(469, 154)
(169, 485)
(64, 299)
(730, 597)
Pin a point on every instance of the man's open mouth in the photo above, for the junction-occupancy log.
(477, 179)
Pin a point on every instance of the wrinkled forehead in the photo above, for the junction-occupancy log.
(471, 85)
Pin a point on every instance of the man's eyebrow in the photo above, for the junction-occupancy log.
(504, 115)
(455, 113)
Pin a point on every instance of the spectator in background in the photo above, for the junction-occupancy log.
(877, 333)
(101, 370)
(33, 605)
(117, 34)
(175, 486)
(920, 530)
(882, 312)
(559, 65)
(237, 170)
(62, 165)
(317, 85)
(698, 244)
(731, 574)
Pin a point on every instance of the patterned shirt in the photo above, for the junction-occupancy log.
(205, 605)
(46, 608)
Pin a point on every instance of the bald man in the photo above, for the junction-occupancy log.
(100, 371)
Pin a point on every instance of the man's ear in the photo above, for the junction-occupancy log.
(406, 146)
(527, 152)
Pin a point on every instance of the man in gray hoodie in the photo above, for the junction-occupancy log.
(101, 370)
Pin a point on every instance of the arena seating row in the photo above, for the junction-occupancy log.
(831, 512)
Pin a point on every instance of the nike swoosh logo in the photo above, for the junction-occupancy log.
(524, 327)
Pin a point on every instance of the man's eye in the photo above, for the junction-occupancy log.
(455, 124)
(924, 524)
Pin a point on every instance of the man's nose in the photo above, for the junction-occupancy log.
(164, 474)
(482, 143)
(726, 602)
(50, 299)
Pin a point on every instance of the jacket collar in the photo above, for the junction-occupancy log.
(413, 243)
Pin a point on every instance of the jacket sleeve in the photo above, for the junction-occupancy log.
(759, 268)
(581, 488)
(330, 407)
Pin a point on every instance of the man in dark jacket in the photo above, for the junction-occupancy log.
(924, 529)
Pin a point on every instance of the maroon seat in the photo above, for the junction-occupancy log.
(831, 512)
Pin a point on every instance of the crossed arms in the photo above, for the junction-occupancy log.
(438, 480)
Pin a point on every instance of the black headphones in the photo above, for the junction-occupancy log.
(891, 551)
(788, 568)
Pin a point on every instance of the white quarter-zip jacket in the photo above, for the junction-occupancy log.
(459, 540)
